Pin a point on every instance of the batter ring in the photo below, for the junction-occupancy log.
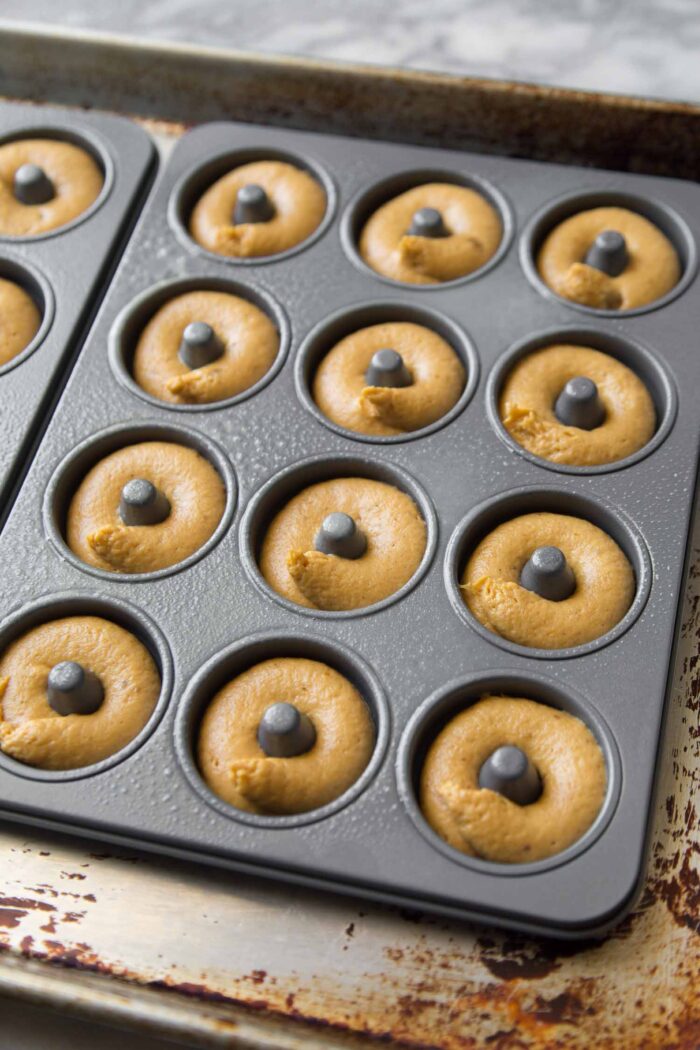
(390, 521)
(20, 320)
(474, 227)
(76, 178)
(33, 733)
(652, 269)
(195, 491)
(526, 407)
(249, 339)
(483, 823)
(237, 769)
(299, 203)
(341, 391)
(605, 582)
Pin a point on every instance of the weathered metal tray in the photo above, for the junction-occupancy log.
(64, 270)
(418, 982)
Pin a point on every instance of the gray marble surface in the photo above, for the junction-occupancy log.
(638, 47)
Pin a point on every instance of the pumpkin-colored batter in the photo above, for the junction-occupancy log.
(299, 203)
(76, 178)
(653, 266)
(531, 389)
(32, 732)
(237, 769)
(474, 226)
(19, 320)
(193, 487)
(341, 392)
(605, 582)
(483, 823)
(396, 540)
(249, 339)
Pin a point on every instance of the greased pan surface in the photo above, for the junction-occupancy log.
(414, 658)
(64, 269)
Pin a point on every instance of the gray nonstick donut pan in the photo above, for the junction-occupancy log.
(417, 657)
(63, 270)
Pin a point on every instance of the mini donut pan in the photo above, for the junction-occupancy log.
(64, 270)
(419, 657)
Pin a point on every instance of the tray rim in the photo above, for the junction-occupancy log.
(40, 63)
(97, 40)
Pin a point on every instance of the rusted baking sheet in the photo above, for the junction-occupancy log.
(219, 960)
(195, 84)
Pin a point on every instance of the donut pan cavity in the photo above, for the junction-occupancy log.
(124, 614)
(418, 656)
(64, 270)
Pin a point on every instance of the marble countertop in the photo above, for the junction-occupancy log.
(641, 47)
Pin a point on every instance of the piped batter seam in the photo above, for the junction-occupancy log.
(263, 781)
(114, 544)
(383, 403)
(590, 287)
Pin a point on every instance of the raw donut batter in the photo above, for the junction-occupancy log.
(484, 823)
(526, 406)
(604, 591)
(248, 337)
(388, 518)
(239, 771)
(473, 226)
(298, 200)
(652, 269)
(20, 320)
(96, 532)
(76, 178)
(342, 392)
(32, 732)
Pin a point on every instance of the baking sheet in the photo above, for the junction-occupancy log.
(368, 969)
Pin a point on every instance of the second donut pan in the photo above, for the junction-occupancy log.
(418, 657)
(65, 269)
